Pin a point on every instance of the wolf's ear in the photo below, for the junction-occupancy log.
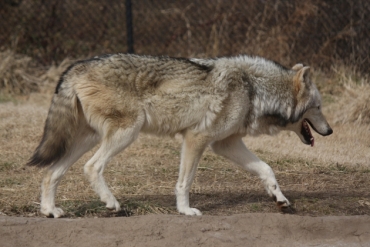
(301, 78)
(297, 67)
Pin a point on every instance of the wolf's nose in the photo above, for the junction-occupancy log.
(330, 131)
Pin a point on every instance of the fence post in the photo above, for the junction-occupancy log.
(130, 40)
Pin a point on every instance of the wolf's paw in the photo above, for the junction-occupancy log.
(190, 211)
(282, 203)
(285, 207)
(52, 212)
(275, 192)
(113, 205)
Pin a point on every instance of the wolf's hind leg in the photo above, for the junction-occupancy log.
(234, 149)
(112, 144)
(86, 140)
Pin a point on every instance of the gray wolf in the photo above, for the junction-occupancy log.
(112, 98)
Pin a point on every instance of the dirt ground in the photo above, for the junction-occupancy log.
(327, 186)
(165, 230)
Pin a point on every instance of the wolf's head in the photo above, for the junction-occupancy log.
(308, 107)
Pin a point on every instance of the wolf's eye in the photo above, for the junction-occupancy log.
(319, 107)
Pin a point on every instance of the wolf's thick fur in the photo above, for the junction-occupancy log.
(110, 99)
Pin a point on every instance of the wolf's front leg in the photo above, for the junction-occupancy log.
(192, 149)
(234, 149)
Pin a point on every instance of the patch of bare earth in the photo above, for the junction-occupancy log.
(330, 179)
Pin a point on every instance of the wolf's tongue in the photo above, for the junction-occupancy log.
(307, 133)
(312, 141)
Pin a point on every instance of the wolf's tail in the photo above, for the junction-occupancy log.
(61, 127)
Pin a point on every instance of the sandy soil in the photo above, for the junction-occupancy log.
(165, 230)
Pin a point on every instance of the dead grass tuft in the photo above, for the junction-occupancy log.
(17, 74)
(358, 106)
(21, 75)
(51, 76)
(354, 103)
(345, 92)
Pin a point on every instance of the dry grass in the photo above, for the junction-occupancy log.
(16, 74)
(21, 75)
(355, 100)
(329, 179)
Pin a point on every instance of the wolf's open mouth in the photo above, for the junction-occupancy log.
(306, 132)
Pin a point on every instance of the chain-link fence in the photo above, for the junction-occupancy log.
(317, 32)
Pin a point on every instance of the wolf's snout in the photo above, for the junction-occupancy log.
(325, 132)
(329, 132)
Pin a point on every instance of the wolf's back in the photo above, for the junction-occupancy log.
(60, 129)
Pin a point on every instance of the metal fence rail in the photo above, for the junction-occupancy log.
(318, 32)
